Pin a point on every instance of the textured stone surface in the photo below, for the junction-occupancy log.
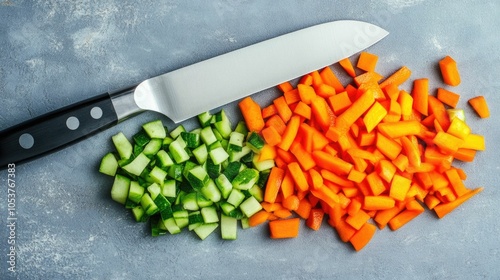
(53, 53)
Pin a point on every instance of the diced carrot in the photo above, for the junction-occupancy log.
(474, 142)
(479, 105)
(306, 93)
(269, 111)
(273, 184)
(367, 61)
(290, 132)
(347, 65)
(374, 116)
(331, 79)
(285, 87)
(449, 71)
(406, 215)
(367, 77)
(271, 136)
(292, 96)
(298, 176)
(399, 187)
(252, 114)
(358, 220)
(397, 78)
(291, 202)
(304, 208)
(258, 218)
(303, 110)
(282, 107)
(445, 208)
(362, 236)
(282, 213)
(315, 219)
(288, 228)
(276, 122)
(420, 95)
(448, 97)
(378, 202)
(325, 90)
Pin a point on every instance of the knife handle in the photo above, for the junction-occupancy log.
(60, 128)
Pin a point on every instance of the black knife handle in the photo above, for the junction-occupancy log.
(57, 129)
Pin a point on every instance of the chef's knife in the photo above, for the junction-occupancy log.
(194, 89)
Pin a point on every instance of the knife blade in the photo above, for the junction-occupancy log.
(194, 89)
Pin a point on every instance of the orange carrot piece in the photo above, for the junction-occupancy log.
(316, 179)
(406, 215)
(334, 164)
(270, 206)
(386, 170)
(354, 207)
(304, 158)
(336, 179)
(378, 202)
(358, 108)
(411, 151)
(285, 155)
(367, 61)
(273, 184)
(443, 209)
(292, 96)
(347, 65)
(325, 90)
(339, 102)
(447, 142)
(456, 183)
(448, 97)
(298, 176)
(437, 108)
(406, 102)
(306, 93)
(356, 176)
(282, 107)
(320, 111)
(283, 213)
(358, 220)
(363, 236)
(398, 129)
(331, 79)
(290, 132)
(285, 87)
(291, 202)
(374, 116)
(258, 218)
(287, 185)
(474, 142)
(397, 78)
(344, 230)
(480, 106)
(271, 136)
(384, 216)
(367, 77)
(375, 183)
(420, 95)
(399, 187)
(449, 71)
(316, 78)
(304, 208)
(277, 122)
(303, 110)
(387, 146)
(252, 114)
(326, 195)
(269, 111)
(287, 228)
(315, 219)
(306, 80)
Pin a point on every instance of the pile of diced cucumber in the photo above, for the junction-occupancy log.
(198, 179)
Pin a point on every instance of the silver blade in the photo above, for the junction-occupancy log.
(206, 85)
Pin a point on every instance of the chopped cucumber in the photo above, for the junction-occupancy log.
(109, 164)
(197, 179)
(204, 230)
(122, 145)
(136, 166)
(155, 129)
(228, 227)
(119, 190)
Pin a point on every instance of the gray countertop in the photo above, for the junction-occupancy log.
(53, 53)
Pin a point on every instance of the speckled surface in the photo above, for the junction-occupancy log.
(53, 53)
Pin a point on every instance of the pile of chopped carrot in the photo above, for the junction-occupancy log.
(364, 155)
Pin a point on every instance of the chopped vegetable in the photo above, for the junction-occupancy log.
(449, 71)
(197, 179)
(479, 105)
(369, 152)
